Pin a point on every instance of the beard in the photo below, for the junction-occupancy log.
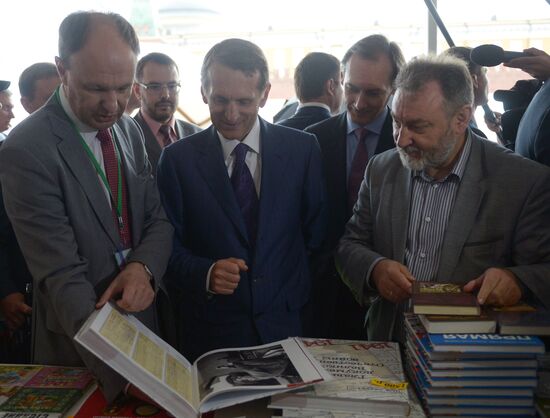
(416, 159)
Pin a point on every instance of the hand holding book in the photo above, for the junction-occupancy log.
(393, 280)
(496, 286)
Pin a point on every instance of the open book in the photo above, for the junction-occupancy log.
(215, 380)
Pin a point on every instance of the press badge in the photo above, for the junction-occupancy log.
(120, 257)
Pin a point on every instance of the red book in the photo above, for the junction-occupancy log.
(431, 298)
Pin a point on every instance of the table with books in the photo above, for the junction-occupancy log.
(465, 360)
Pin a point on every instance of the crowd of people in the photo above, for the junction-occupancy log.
(248, 232)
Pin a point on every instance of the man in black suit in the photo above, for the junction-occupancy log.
(347, 142)
(318, 85)
(157, 87)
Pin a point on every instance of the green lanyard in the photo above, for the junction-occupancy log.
(98, 167)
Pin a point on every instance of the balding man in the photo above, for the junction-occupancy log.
(79, 192)
(37, 84)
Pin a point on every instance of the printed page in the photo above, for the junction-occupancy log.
(142, 357)
(363, 370)
(252, 372)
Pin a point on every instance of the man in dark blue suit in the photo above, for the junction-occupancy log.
(318, 85)
(246, 200)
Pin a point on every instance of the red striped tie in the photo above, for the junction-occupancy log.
(358, 165)
(111, 171)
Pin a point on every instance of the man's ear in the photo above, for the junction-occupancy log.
(462, 118)
(265, 94)
(26, 105)
(137, 90)
(204, 97)
(61, 70)
(475, 81)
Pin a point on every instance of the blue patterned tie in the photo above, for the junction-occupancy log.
(245, 192)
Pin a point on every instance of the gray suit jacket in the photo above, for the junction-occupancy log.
(500, 218)
(65, 227)
(152, 146)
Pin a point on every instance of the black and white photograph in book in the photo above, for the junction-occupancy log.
(259, 367)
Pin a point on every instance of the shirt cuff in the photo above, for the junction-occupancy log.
(208, 280)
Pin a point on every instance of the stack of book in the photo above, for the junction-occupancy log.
(368, 381)
(43, 391)
(472, 374)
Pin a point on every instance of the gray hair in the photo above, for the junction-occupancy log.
(449, 72)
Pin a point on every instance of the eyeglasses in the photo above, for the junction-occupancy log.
(158, 87)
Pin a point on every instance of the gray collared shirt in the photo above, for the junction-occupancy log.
(431, 206)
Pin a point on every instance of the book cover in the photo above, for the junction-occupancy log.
(41, 400)
(368, 376)
(486, 343)
(217, 379)
(443, 299)
(16, 374)
(62, 377)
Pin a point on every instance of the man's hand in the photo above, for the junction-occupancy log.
(499, 287)
(134, 285)
(226, 274)
(537, 64)
(14, 309)
(494, 125)
(393, 280)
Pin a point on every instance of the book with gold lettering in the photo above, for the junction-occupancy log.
(217, 379)
(432, 298)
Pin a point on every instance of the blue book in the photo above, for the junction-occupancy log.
(484, 343)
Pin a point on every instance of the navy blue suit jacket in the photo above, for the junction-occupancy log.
(199, 201)
(306, 116)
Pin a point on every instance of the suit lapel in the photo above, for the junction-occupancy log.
(465, 209)
(273, 172)
(72, 152)
(212, 168)
(335, 167)
(152, 146)
(400, 204)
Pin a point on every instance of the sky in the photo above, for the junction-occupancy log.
(32, 37)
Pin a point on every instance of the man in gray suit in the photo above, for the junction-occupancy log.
(157, 87)
(79, 193)
(445, 206)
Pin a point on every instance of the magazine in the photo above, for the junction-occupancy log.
(368, 376)
(217, 379)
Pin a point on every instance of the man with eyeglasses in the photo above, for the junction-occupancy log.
(347, 143)
(157, 87)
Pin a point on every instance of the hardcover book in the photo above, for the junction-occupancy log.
(524, 323)
(368, 377)
(484, 343)
(443, 299)
(458, 324)
(215, 380)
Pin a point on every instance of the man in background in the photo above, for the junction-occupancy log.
(36, 85)
(318, 85)
(347, 143)
(157, 88)
(533, 137)
(6, 108)
(246, 200)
